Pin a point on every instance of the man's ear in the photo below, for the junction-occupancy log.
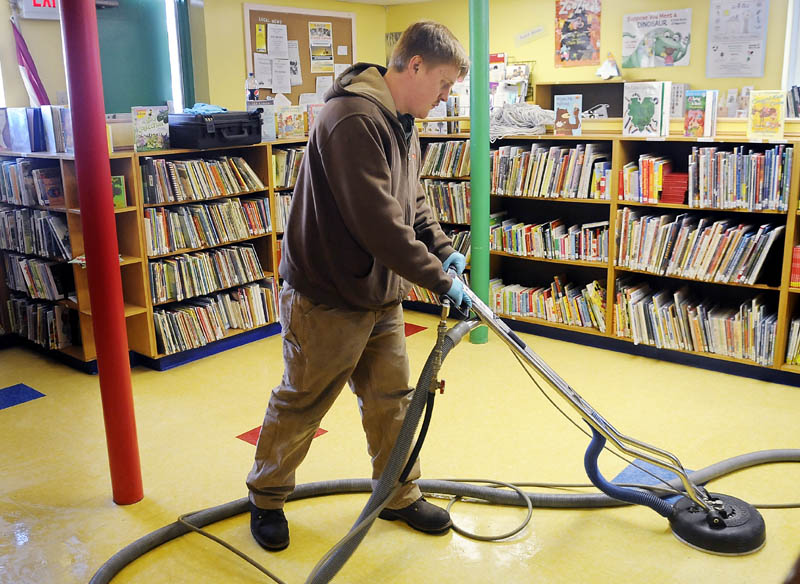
(414, 64)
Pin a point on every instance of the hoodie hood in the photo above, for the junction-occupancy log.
(365, 80)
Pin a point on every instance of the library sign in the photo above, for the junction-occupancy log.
(40, 9)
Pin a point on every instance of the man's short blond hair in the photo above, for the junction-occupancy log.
(434, 43)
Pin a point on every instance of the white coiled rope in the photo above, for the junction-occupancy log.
(519, 119)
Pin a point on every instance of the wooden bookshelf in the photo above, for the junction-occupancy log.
(258, 157)
(134, 263)
(129, 242)
(534, 271)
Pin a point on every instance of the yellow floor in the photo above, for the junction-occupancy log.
(58, 523)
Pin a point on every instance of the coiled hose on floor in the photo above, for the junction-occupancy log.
(382, 490)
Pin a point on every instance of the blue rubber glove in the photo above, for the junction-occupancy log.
(457, 260)
(457, 295)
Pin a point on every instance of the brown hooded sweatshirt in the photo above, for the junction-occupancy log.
(359, 228)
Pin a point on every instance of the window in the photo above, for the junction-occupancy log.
(791, 52)
(174, 57)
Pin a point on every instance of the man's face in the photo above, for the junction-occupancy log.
(431, 85)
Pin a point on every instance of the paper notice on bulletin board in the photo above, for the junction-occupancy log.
(320, 41)
(737, 38)
(294, 63)
(277, 41)
(262, 70)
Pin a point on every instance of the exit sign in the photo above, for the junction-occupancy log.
(41, 9)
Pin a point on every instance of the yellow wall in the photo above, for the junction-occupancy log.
(509, 18)
(225, 51)
(219, 58)
(44, 42)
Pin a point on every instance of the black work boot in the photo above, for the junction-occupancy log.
(269, 528)
(421, 515)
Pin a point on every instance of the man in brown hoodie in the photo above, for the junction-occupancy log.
(359, 231)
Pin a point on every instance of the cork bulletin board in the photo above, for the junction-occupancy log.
(257, 17)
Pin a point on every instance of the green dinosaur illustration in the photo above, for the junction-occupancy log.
(659, 42)
(641, 111)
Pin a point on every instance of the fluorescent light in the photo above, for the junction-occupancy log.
(174, 58)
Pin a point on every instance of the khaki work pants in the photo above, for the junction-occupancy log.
(323, 348)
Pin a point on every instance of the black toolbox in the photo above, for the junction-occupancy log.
(214, 130)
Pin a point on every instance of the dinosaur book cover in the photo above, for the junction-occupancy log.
(645, 108)
(568, 114)
(656, 39)
(765, 115)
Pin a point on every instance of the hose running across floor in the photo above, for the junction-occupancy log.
(382, 490)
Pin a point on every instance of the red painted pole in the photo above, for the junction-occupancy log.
(84, 81)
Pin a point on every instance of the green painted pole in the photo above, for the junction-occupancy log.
(479, 155)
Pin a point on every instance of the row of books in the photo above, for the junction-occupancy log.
(449, 159)
(284, 201)
(38, 279)
(204, 225)
(694, 247)
(36, 129)
(793, 347)
(46, 324)
(35, 232)
(450, 201)
(189, 275)
(673, 320)
(462, 242)
(420, 294)
(565, 304)
(26, 182)
(793, 102)
(456, 105)
(552, 240)
(579, 172)
(642, 180)
(205, 319)
(173, 181)
(286, 166)
(794, 275)
(742, 179)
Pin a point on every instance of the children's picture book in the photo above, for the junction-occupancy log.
(568, 114)
(118, 191)
(150, 128)
(267, 108)
(49, 188)
(290, 121)
(766, 114)
(700, 119)
(20, 138)
(646, 108)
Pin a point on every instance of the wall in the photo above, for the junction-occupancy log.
(134, 55)
(509, 18)
(223, 22)
(44, 42)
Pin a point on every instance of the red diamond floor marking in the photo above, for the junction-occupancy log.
(251, 436)
(412, 329)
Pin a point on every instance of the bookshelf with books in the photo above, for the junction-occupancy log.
(683, 244)
(444, 177)
(207, 232)
(45, 289)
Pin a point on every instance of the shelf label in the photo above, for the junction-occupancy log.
(705, 139)
(656, 139)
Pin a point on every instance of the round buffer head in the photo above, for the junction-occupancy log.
(732, 527)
